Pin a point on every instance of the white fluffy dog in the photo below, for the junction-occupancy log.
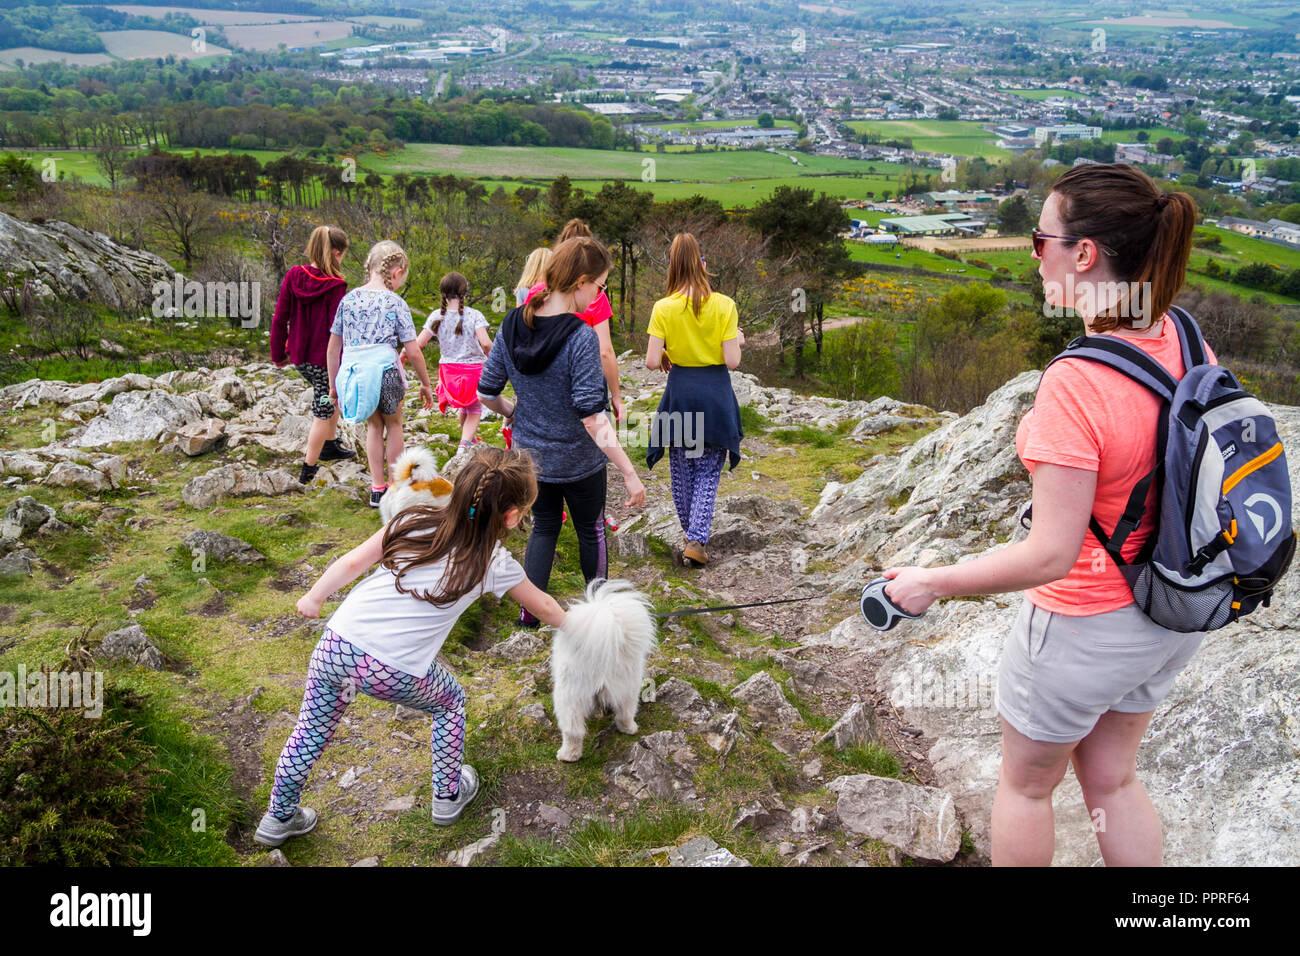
(416, 482)
(598, 658)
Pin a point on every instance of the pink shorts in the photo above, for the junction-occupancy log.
(458, 386)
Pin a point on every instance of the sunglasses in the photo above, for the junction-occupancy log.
(602, 288)
(1039, 240)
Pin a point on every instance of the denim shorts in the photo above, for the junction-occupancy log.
(1060, 673)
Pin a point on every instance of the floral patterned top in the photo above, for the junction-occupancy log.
(373, 317)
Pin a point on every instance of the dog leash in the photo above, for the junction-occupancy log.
(731, 607)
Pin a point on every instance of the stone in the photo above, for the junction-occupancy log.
(236, 481)
(368, 861)
(289, 437)
(553, 816)
(223, 548)
(658, 767)
(630, 544)
(398, 805)
(349, 778)
(409, 713)
(141, 416)
(467, 855)
(856, 727)
(131, 644)
(535, 712)
(277, 858)
(518, 646)
(921, 822)
(68, 475)
(79, 412)
(683, 700)
(17, 463)
(702, 851)
(723, 732)
(23, 516)
(202, 436)
(18, 564)
(114, 466)
(765, 701)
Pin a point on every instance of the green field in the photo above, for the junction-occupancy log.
(1040, 95)
(914, 259)
(1154, 133)
(958, 137)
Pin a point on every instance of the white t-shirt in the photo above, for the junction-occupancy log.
(403, 631)
(463, 349)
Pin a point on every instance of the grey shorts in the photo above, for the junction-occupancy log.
(1060, 673)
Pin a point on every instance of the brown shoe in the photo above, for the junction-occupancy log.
(695, 554)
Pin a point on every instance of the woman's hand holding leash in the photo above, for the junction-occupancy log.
(911, 588)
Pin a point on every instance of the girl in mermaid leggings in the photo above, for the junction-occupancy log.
(385, 636)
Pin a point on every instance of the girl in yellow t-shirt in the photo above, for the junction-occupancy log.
(695, 337)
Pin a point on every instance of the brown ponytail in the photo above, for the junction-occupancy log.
(1149, 231)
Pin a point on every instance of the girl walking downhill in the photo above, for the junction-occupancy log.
(300, 329)
(372, 323)
(549, 355)
(385, 636)
(694, 337)
(1083, 668)
(463, 345)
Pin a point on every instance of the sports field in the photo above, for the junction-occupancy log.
(1046, 94)
(958, 137)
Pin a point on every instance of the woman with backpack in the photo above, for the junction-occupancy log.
(1084, 668)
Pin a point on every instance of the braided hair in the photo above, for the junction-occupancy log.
(385, 257)
(453, 286)
(467, 530)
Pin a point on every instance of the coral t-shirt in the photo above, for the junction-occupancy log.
(1088, 416)
(599, 311)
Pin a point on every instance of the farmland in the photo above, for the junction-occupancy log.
(958, 137)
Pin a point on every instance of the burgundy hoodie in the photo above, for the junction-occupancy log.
(304, 313)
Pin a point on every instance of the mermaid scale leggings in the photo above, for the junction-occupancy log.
(338, 670)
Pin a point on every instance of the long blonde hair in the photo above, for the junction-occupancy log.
(385, 256)
(323, 240)
(534, 268)
(686, 270)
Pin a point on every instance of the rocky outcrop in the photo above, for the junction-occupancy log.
(1219, 758)
(61, 259)
(140, 417)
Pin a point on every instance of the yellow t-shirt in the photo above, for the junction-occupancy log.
(690, 339)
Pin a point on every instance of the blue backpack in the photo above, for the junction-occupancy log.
(1223, 538)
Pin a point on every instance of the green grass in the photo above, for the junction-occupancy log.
(901, 255)
(1040, 95)
(958, 137)
(723, 124)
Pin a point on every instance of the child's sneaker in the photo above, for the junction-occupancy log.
(273, 832)
(376, 495)
(308, 473)
(333, 451)
(447, 810)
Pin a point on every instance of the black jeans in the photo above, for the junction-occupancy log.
(585, 499)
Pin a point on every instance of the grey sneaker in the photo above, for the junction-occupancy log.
(446, 810)
(273, 832)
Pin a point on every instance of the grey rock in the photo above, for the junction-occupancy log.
(131, 644)
(467, 855)
(349, 778)
(659, 767)
(921, 821)
(68, 475)
(236, 481)
(23, 516)
(277, 858)
(856, 727)
(683, 700)
(223, 548)
(17, 463)
(764, 699)
(399, 805)
(535, 712)
(702, 851)
(553, 816)
(368, 861)
(18, 564)
(409, 713)
(630, 544)
(202, 436)
(723, 732)
(140, 417)
(518, 646)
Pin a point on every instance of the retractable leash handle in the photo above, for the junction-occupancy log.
(880, 612)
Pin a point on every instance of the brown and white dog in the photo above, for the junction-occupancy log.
(416, 482)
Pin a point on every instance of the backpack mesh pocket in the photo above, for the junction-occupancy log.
(1180, 609)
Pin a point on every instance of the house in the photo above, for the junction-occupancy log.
(944, 224)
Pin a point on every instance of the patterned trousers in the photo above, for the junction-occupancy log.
(338, 670)
(695, 488)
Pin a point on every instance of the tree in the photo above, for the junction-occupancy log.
(617, 213)
(1013, 217)
(766, 120)
(805, 235)
(183, 219)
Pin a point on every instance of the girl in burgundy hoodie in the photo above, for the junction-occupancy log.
(300, 332)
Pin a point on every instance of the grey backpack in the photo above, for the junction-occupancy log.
(1223, 537)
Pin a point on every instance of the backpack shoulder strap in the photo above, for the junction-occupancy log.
(1189, 335)
(1128, 360)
